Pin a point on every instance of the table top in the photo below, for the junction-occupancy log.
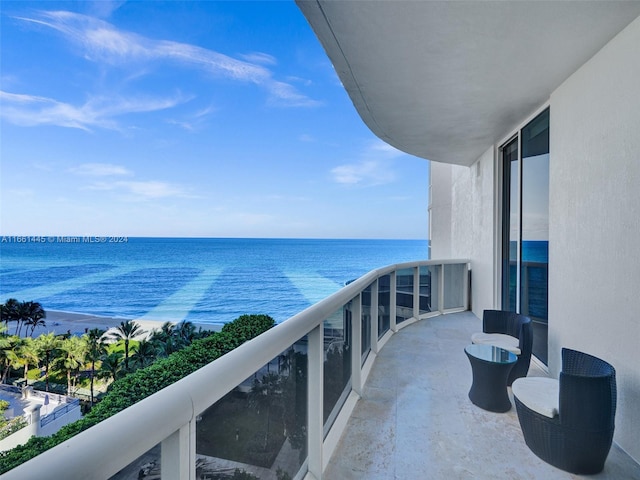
(492, 354)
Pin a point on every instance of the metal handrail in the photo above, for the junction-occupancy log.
(60, 411)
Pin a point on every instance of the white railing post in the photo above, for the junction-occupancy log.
(416, 293)
(375, 317)
(177, 461)
(315, 400)
(356, 344)
(393, 301)
(441, 284)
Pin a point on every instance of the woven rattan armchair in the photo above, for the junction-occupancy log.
(578, 438)
(514, 325)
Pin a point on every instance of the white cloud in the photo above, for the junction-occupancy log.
(373, 168)
(100, 112)
(153, 189)
(365, 172)
(259, 57)
(102, 42)
(100, 170)
(304, 81)
(104, 8)
(143, 190)
(284, 94)
(194, 122)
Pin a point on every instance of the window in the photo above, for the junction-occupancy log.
(525, 226)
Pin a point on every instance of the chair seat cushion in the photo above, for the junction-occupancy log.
(497, 339)
(540, 394)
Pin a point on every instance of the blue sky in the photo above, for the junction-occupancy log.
(205, 119)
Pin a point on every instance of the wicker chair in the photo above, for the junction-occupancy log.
(578, 438)
(514, 325)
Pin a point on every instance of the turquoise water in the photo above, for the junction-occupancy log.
(200, 280)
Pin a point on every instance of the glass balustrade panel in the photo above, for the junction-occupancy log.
(258, 430)
(404, 294)
(384, 305)
(337, 363)
(454, 279)
(146, 466)
(425, 290)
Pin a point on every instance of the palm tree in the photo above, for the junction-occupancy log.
(29, 354)
(9, 311)
(35, 315)
(111, 366)
(74, 352)
(144, 354)
(96, 349)
(185, 331)
(127, 331)
(171, 338)
(163, 339)
(9, 354)
(22, 311)
(165, 331)
(47, 344)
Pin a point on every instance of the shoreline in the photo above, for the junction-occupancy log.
(61, 322)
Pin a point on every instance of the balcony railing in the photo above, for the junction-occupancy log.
(274, 407)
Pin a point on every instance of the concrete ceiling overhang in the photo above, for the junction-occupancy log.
(445, 80)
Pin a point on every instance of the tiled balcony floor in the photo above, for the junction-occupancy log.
(415, 420)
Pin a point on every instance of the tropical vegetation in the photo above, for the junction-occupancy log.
(64, 363)
(24, 314)
(135, 382)
(7, 427)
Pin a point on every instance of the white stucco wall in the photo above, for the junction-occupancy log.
(462, 212)
(594, 254)
(440, 210)
(594, 250)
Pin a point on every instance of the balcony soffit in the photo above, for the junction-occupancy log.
(445, 80)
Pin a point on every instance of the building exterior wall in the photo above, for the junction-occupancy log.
(594, 202)
(440, 210)
(594, 257)
(462, 212)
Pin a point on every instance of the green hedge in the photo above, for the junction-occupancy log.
(143, 382)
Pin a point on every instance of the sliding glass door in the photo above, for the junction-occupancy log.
(525, 226)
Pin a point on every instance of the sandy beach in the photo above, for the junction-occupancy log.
(80, 323)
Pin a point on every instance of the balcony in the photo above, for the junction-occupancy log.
(414, 419)
(319, 397)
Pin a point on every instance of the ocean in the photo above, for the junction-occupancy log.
(205, 281)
